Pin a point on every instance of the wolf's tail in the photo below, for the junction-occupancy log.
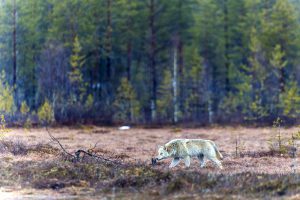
(219, 155)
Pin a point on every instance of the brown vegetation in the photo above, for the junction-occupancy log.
(33, 165)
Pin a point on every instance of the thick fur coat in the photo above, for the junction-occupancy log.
(184, 149)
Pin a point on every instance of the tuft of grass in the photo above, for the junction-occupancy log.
(19, 147)
(176, 130)
(174, 185)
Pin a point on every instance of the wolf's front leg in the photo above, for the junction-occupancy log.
(187, 161)
(174, 162)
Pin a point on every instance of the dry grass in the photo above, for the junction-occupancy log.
(29, 161)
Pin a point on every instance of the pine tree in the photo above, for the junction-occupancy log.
(279, 33)
(194, 84)
(129, 31)
(152, 57)
(247, 98)
(290, 100)
(126, 106)
(108, 39)
(46, 113)
(75, 75)
(257, 74)
(7, 105)
(278, 63)
(210, 36)
(24, 108)
(165, 98)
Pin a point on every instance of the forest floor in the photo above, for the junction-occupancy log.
(33, 167)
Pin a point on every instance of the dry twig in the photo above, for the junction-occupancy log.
(77, 153)
(57, 141)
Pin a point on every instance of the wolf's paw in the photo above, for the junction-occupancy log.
(153, 161)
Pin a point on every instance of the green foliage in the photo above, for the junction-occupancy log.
(75, 76)
(191, 105)
(46, 113)
(194, 83)
(230, 104)
(293, 143)
(7, 105)
(256, 109)
(27, 124)
(165, 99)
(277, 143)
(290, 100)
(257, 70)
(236, 59)
(26, 118)
(126, 106)
(283, 145)
(195, 62)
(279, 26)
(89, 102)
(3, 129)
(277, 58)
(24, 108)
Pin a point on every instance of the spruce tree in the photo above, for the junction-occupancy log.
(75, 76)
(126, 107)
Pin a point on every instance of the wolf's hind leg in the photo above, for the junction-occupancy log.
(187, 161)
(174, 162)
(202, 160)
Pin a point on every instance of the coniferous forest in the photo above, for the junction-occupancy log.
(149, 99)
(150, 61)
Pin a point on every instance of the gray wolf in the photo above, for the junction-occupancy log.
(184, 149)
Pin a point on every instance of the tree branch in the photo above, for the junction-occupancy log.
(57, 141)
(76, 155)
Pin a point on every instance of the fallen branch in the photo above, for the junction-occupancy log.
(76, 155)
(91, 149)
(57, 141)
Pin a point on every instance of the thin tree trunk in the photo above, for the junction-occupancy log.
(281, 80)
(180, 76)
(227, 86)
(180, 59)
(108, 40)
(15, 50)
(210, 78)
(175, 95)
(210, 110)
(129, 57)
(130, 117)
(152, 60)
(180, 43)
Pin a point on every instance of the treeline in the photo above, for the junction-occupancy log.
(158, 61)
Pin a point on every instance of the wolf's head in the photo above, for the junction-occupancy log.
(163, 152)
